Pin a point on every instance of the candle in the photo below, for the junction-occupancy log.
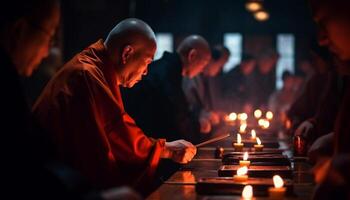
(245, 161)
(269, 115)
(231, 118)
(241, 174)
(258, 146)
(219, 152)
(247, 193)
(257, 113)
(263, 123)
(242, 128)
(242, 116)
(253, 133)
(239, 145)
(278, 191)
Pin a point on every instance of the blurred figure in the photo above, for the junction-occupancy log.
(203, 92)
(235, 86)
(159, 104)
(281, 100)
(83, 110)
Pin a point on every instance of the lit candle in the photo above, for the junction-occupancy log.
(242, 116)
(257, 113)
(245, 161)
(231, 118)
(258, 146)
(266, 124)
(242, 128)
(253, 133)
(241, 174)
(278, 191)
(269, 115)
(239, 145)
(247, 193)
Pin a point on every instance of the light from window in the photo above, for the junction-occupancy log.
(285, 48)
(164, 43)
(233, 41)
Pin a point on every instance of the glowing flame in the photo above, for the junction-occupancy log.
(232, 116)
(242, 171)
(253, 6)
(242, 116)
(253, 134)
(257, 113)
(247, 192)
(269, 115)
(261, 15)
(245, 156)
(258, 141)
(242, 128)
(239, 138)
(278, 181)
(266, 124)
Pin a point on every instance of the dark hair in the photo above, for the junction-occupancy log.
(218, 51)
(247, 57)
(286, 74)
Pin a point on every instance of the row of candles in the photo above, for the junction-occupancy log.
(264, 123)
(239, 145)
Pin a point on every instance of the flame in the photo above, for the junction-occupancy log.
(253, 6)
(258, 141)
(266, 124)
(242, 128)
(278, 181)
(232, 116)
(269, 115)
(247, 192)
(242, 171)
(239, 138)
(245, 156)
(253, 134)
(257, 113)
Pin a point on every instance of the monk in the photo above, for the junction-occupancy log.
(83, 110)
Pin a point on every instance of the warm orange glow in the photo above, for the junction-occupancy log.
(261, 15)
(242, 171)
(239, 138)
(269, 115)
(266, 124)
(253, 6)
(258, 141)
(242, 128)
(232, 116)
(242, 116)
(257, 113)
(253, 134)
(278, 181)
(247, 192)
(245, 156)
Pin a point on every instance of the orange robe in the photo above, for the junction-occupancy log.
(82, 108)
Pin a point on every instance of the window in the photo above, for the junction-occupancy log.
(285, 48)
(233, 41)
(164, 43)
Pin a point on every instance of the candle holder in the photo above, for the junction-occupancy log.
(278, 191)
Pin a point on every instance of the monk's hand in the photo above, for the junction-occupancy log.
(304, 129)
(179, 151)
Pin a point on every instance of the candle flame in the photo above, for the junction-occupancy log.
(232, 116)
(239, 138)
(258, 141)
(269, 115)
(257, 113)
(242, 171)
(253, 134)
(247, 192)
(266, 124)
(278, 181)
(242, 128)
(245, 156)
(242, 116)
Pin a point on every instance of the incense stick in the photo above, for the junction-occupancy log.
(221, 137)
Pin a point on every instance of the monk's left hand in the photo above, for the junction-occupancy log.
(180, 151)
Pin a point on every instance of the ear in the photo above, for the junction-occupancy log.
(192, 55)
(127, 52)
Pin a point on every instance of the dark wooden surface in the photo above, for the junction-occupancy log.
(181, 185)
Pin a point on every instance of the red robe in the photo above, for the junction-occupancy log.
(82, 108)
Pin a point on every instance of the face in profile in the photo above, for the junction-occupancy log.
(197, 63)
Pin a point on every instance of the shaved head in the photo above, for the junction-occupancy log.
(195, 53)
(131, 46)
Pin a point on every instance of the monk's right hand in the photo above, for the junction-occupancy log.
(179, 151)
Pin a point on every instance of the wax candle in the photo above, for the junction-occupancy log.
(239, 145)
(231, 118)
(253, 134)
(278, 191)
(243, 128)
(241, 174)
(247, 193)
(245, 161)
(258, 146)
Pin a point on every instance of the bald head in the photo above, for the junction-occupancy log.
(131, 46)
(195, 55)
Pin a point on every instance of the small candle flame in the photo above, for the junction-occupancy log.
(242, 116)
(257, 113)
(245, 156)
(258, 141)
(253, 134)
(239, 138)
(278, 181)
(269, 115)
(266, 124)
(242, 171)
(232, 116)
(247, 192)
(242, 128)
